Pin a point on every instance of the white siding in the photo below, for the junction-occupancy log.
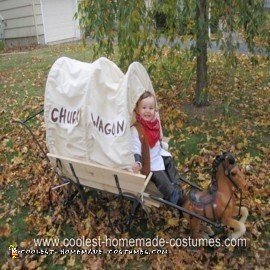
(19, 18)
(26, 22)
(13, 4)
(53, 19)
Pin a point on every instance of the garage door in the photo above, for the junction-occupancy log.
(58, 20)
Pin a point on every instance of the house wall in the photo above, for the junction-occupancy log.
(267, 4)
(23, 22)
(59, 22)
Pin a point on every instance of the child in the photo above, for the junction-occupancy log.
(148, 153)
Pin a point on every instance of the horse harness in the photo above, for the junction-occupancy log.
(229, 175)
(202, 199)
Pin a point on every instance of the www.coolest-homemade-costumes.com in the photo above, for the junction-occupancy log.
(155, 159)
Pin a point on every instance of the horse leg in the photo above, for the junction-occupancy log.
(239, 228)
(243, 213)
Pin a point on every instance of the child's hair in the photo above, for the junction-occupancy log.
(146, 94)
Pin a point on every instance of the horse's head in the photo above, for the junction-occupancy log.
(227, 163)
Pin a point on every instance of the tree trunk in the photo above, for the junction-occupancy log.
(201, 92)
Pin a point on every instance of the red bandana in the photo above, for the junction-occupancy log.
(151, 130)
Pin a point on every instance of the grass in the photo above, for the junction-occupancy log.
(2, 45)
(189, 147)
(16, 221)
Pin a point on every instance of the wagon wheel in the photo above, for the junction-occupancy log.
(121, 213)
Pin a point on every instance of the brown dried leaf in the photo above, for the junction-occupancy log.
(5, 230)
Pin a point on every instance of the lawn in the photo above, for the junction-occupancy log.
(237, 120)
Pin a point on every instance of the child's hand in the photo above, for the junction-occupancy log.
(136, 167)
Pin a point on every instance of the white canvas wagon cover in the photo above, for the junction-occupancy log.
(88, 110)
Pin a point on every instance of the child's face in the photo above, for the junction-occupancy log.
(147, 108)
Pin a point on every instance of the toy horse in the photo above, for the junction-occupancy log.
(219, 202)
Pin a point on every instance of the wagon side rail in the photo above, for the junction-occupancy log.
(100, 177)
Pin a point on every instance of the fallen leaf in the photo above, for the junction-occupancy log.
(173, 222)
(5, 230)
(32, 265)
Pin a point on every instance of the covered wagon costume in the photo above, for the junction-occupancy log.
(89, 109)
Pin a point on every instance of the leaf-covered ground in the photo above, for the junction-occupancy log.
(237, 120)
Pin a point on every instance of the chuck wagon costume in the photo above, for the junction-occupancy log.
(88, 110)
(94, 141)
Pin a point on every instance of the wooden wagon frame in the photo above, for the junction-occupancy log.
(125, 185)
